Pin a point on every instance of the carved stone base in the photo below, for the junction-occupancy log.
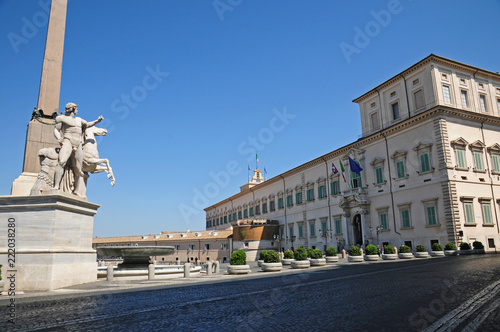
(53, 241)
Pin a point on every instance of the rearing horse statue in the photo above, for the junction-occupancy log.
(91, 161)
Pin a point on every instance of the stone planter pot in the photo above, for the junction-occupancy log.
(478, 251)
(423, 254)
(259, 262)
(371, 258)
(300, 264)
(450, 252)
(271, 267)
(318, 261)
(332, 259)
(238, 269)
(406, 255)
(390, 257)
(437, 253)
(287, 261)
(465, 252)
(1, 286)
(355, 259)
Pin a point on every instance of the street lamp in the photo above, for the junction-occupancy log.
(278, 237)
(292, 239)
(378, 229)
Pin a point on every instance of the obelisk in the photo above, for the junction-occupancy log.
(40, 132)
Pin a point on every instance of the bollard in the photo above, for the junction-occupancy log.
(217, 267)
(187, 270)
(343, 253)
(396, 250)
(151, 272)
(109, 276)
(209, 268)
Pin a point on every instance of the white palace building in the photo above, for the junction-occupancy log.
(430, 154)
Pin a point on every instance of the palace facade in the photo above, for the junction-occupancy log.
(430, 159)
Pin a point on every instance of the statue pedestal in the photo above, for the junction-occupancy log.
(53, 241)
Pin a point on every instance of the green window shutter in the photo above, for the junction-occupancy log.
(400, 165)
(301, 232)
(379, 175)
(486, 214)
(312, 231)
(469, 213)
(431, 215)
(383, 220)
(338, 226)
(496, 162)
(405, 216)
(291, 231)
(425, 165)
(460, 158)
(478, 160)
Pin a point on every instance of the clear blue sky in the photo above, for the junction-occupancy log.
(243, 76)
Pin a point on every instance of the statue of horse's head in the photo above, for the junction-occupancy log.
(95, 131)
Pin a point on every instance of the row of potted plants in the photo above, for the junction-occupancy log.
(303, 258)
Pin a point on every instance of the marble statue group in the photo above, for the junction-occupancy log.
(67, 168)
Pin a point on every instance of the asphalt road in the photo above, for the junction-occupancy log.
(445, 294)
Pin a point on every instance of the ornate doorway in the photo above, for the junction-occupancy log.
(357, 230)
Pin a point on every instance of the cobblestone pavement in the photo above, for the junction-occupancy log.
(445, 294)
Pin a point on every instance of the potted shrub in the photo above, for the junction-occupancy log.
(478, 247)
(238, 263)
(421, 251)
(271, 262)
(450, 249)
(287, 257)
(465, 249)
(331, 255)
(371, 253)
(355, 254)
(262, 257)
(309, 252)
(405, 252)
(317, 258)
(437, 250)
(301, 261)
(389, 254)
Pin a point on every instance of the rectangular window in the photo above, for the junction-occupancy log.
(229, 217)
(245, 213)
(464, 99)
(478, 160)
(323, 228)
(234, 216)
(177, 247)
(301, 232)
(310, 194)
(239, 214)
(338, 226)
(486, 213)
(496, 162)
(290, 230)
(446, 94)
(223, 246)
(312, 231)
(335, 187)
(225, 219)
(431, 215)
(207, 246)
(375, 121)
(460, 153)
(280, 203)
(272, 205)
(405, 218)
(298, 198)
(191, 247)
(498, 105)
(482, 101)
(264, 207)
(289, 200)
(257, 209)
(395, 111)
(379, 175)
(425, 165)
(322, 191)
(282, 233)
(419, 99)
(383, 220)
(400, 166)
(356, 178)
(251, 211)
(469, 213)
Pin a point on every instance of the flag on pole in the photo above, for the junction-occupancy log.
(249, 168)
(334, 169)
(355, 168)
(343, 170)
(265, 171)
(257, 158)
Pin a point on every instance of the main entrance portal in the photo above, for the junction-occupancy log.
(357, 231)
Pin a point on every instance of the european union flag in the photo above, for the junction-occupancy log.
(354, 166)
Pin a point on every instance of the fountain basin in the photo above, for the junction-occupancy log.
(135, 257)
